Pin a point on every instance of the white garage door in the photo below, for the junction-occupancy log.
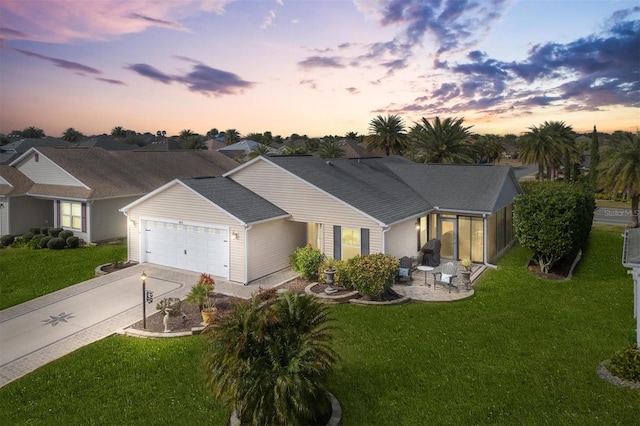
(191, 247)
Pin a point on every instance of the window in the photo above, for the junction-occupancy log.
(71, 215)
(314, 235)
(350, 243)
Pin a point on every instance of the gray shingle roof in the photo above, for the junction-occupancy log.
(366, 184)
(125, 173)
(461, 187)
(235, 199)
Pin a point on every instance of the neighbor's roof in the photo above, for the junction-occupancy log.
(17, 184)
(631, 252)
(366, 184)
(124, 173)
(462, 187)
(235, 199)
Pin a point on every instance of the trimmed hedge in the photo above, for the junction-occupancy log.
(306, 261)
(26, 237)
(65, 234)
(373, 274)
(56, 243)
(73, 242)
(55, 232)
(7, 240)
(44, 241)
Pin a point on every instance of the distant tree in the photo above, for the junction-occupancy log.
(444, 141)
(185, 134)
(268, 137)
(388, 134)
(351, 135)
(620, 170)
(212, 133)
(231, 136)
(331, 149)
(33, 132)
(161, 133)
(258, 137)
(118, 132)
(4, 140)
(539, 146)
(192, 142)
(260, 150)
(594, 158)
(71, 135)
(294, 150)
(489, 148)
(312, 145)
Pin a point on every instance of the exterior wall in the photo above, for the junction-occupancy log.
(25, 212)
(401, 239)
(500, 232)
(4, 216)
(180, 204)
(45, 171)
(306, 204)
(270, 244)
(104, 219)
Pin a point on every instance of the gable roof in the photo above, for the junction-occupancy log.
(234, 199)
(109, 174)
(15, 149)
(462, 187)
(631, 248)
(17, 183)
(366, 184)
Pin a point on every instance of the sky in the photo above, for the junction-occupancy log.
(317, 67)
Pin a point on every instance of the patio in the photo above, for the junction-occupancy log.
(416, 289)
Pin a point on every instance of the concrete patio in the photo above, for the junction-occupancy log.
(416, 289)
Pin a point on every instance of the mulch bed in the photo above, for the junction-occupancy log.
(560, 270)
(110, 268)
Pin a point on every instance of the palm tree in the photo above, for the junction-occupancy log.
(268, 360)
(594, 158)
(620, 170)
(331, 149)
(444, 141)
(351, 135)
(33, 132)
(388, 134)
(490, 148)
(185, 134)
(260, 149)
(71, 135)
(537, 148)
(231, 136)
(212, 133)
(294, 150)
(118, 132)
(563, 136)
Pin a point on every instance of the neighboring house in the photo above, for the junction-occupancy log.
(631, 259)
(344, 207)
(105, 142)
(82, 189)
(240, 150)
(13, 150)
(18, 211)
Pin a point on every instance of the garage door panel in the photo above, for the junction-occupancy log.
(195, 248)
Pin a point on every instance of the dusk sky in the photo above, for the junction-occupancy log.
(317, 67)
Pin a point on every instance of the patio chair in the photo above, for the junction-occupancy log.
(445, 276)
(406, 266)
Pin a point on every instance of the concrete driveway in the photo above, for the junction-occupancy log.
(41, 330)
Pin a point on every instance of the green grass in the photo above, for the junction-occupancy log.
(611, 204)
(26, 274)
(521, 351)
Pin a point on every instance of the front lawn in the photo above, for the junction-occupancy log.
(26, 274)
(521, 351)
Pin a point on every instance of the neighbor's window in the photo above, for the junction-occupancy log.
(71, 215)
(350, 243)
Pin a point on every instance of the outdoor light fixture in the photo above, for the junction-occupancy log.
(132, 222)
(143, 277)
(235, 236)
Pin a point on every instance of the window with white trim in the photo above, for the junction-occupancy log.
(71, 215)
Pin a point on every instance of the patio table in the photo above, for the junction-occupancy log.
(426, 269)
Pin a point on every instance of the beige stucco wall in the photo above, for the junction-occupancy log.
(306, 203)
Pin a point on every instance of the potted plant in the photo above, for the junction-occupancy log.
(466, 274)
(200, 295)
(329, 270)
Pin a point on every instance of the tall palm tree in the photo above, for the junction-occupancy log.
(118, 132)
(185, 134)
(536, 147)
(490, 148)
(268, 360)
(331, 149)
(388, 134)
(260, 149)
(619, 170)
(351, 135)
(563, 136)
(33, 132)
(231, 136)
(71, 135)
(444, 141)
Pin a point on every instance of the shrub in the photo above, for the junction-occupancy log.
(35, 230)
(268, 361)
(625, 364)
(65, 234)
(44, 241)
(26, 237)
(373, 274)
(56, 243)
(306, 261)
(73, 242)
(7, 240)
(171, 303)
(34, 243)
(55, 232)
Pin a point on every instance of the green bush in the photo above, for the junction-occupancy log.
(35, 230)
(306, 261)
(26, 237)
(34, 242)
(373, 274)
(625, 364)
(55, 232)
(73, 242)
(7, 240)
(44, 241)
(341, 277)
(56, 243)
(65, 234)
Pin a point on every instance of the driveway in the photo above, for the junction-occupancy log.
(44, 329)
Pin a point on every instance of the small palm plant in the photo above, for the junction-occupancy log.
(268, 360)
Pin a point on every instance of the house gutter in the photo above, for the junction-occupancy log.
(385, 229)
(247, 228)
(484, 245)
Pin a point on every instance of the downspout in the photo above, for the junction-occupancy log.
(128, 235)
(484, 242)
(247, 228)
(385, 229)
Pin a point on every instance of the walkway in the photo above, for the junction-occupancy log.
(41, 330)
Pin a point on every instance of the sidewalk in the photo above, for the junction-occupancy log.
(39, 331)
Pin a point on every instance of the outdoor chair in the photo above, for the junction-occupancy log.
(406, 266)
(445, 276)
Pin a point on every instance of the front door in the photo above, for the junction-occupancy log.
(447, 233)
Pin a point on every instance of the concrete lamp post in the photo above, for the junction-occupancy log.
(143, 277)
